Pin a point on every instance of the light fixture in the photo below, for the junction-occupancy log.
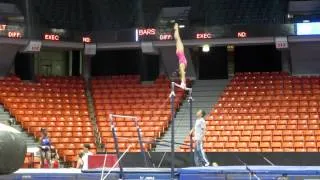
(206, 48)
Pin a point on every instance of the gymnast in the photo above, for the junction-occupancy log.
(181, 56)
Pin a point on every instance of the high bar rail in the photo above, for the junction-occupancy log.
(179, 86)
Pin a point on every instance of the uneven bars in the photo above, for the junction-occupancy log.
(138, 130)
(162, 159)
(104, 165)
(185, 88)
(154, 141)
(159, 140)
(125, 152)
(122, 116)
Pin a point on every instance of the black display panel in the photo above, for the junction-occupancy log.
(148, 34)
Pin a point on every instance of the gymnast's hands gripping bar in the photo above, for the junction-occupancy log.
(179, 86)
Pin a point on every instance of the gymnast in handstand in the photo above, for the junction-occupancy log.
(181, 56)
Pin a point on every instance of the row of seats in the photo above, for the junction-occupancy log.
(265, 138)
(116, 88)
(284, 80)
(64, 119)
(267, 110)
(232, 98)
(129, 100)
(19, 111)
(285, 103)
(134, 107)
(288, 144)
(43, 106)
(15, 86)
(264, 120)
(259, 150)
(42, 92)
(273, 86)
(239, 127)
(315, 92)
(275, 132)
(54, 96)
(121, 96)
(44, 100)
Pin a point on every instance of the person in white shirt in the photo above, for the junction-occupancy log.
(199, 132)
(85, 155)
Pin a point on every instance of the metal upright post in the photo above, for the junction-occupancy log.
(28, 19)
(172, 96)
(141, 143)
(191, 124)
(115, 138)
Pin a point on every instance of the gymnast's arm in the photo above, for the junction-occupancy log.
(191, 132)
(179, 44)
(176, 32)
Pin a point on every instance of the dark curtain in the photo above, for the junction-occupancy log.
(264, 58)
(213, 64)
(75, 63)
(116, 62)
(149, 67)
(24, 66)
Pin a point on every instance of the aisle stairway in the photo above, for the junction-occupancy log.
(205, 94)
(6, 119)
(92, 113)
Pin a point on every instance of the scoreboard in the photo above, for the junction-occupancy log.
(11, 31)
(242, 31)
(149, 33)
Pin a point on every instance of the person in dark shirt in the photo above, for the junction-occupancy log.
(55, 160)
(79, 161)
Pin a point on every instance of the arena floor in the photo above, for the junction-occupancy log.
(190, 173)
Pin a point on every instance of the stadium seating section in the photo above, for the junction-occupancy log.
(268, 112)
(114, 14)
(71, 15)
(57, 104)
(125, 95)
(257, 112)
(221, 12)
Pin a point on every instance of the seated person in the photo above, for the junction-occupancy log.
(101, 149)
(79, 161)
(55, 160)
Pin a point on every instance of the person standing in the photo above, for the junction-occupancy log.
(45, 149)
(85, 156)
(199, 132)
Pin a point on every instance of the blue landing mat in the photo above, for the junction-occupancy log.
(243, 172)
(77, 174)
(191, 173)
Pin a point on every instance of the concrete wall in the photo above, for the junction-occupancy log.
(305, 58)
